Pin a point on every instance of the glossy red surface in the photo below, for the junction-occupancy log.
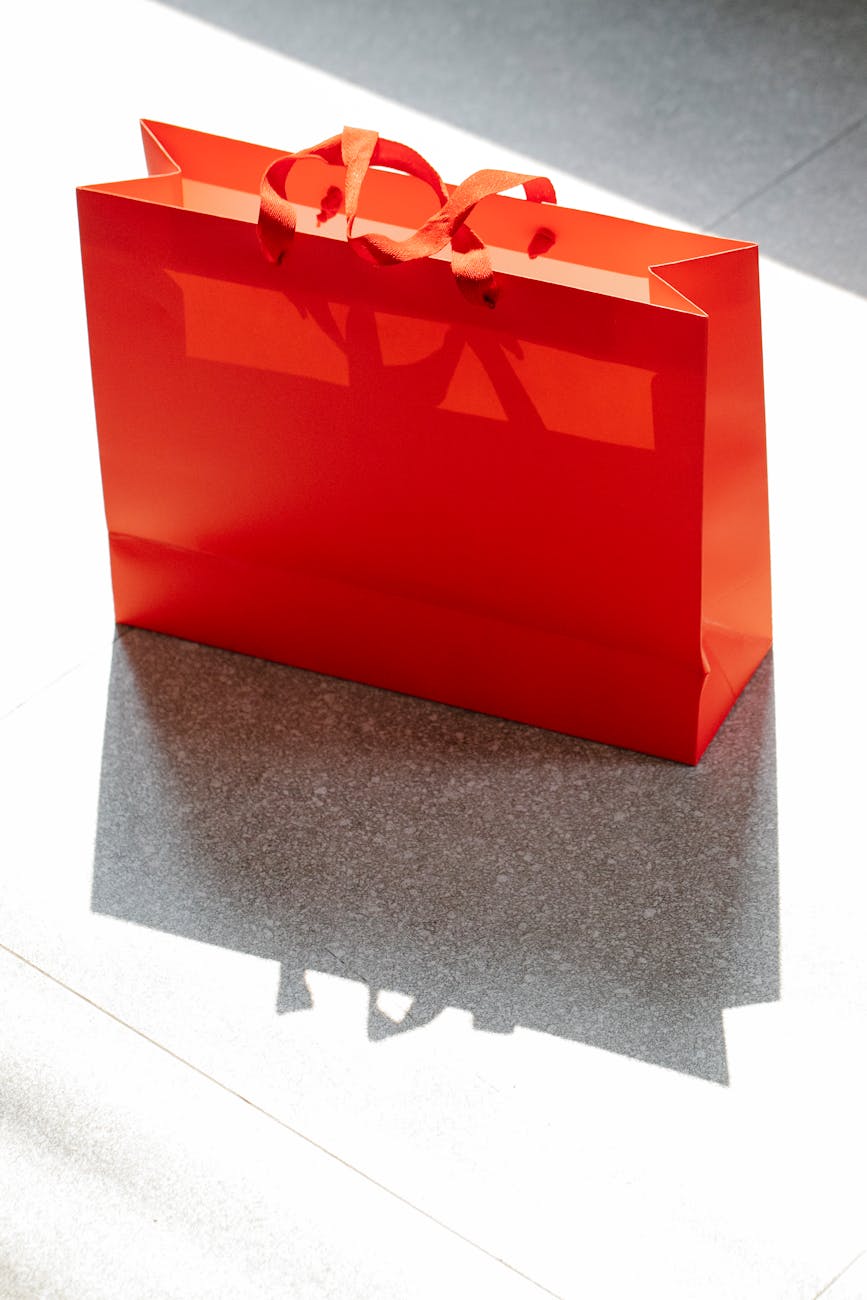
(554, 511)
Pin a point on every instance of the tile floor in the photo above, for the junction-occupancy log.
(315, 991)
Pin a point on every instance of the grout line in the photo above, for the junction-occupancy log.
(224, 1087)
(119, 632)
(837, 1276)
(41, 690)
(786, 173)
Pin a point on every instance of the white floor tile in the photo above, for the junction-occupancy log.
(125, 1173)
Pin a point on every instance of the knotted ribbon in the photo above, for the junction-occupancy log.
(357, 151)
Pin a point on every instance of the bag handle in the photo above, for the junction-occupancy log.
(358, 150)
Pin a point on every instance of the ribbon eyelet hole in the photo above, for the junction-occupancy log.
(542, 241)
(330, 206)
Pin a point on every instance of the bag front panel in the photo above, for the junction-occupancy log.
(539, 464)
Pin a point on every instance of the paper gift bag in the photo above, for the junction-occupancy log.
(477, 448)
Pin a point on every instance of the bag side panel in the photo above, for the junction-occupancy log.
(736, 587)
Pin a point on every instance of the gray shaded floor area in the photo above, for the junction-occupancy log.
(525, 877)
(745, 118)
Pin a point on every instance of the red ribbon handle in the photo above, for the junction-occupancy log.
(359, 150)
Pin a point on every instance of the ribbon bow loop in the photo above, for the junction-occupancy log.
(358, 150)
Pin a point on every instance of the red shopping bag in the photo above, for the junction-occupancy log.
(510, 457)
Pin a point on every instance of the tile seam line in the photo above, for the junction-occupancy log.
(826, 1289)
(43, 690)
(786, 173)
(267, 1114)
(45, 687)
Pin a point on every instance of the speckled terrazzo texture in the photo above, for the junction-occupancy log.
(530, 878)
